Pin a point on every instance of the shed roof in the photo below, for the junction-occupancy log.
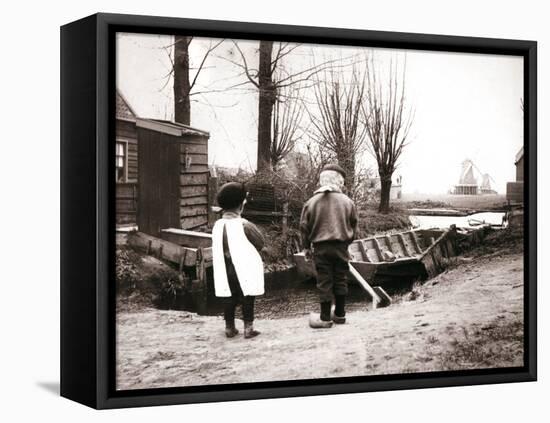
(123, 109)
(170, 128)
(519, 155)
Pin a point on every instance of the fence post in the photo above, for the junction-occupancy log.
(285, 217)
(212, 190)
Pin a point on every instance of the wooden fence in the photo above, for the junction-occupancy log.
(514, 192)
(126, 202)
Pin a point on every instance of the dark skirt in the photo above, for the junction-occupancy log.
(234, 285)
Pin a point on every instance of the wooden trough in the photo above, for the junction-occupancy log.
(414, 254)
(193, 258)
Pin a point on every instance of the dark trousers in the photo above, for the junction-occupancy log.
(247, 306)
(331, 262)
(237, 297)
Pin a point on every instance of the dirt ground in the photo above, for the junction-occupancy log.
(470, 316)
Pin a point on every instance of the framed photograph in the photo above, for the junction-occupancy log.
(258, 211)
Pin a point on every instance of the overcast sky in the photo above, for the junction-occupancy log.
(466, 105)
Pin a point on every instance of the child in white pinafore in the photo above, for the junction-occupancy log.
(238, 267)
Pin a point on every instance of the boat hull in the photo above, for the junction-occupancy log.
(397, 259)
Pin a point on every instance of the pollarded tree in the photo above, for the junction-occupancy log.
(287, 130)
(387, 120)
(337, 121)
(270, 79)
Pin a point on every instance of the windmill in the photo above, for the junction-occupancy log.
(468, 183)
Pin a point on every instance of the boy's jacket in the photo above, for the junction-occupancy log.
(246, 260)
(329, 215)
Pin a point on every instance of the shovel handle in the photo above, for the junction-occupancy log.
(375, 298)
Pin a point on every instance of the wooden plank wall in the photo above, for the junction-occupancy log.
(519, 170)
(514, 192)
(193, 179)
(173, 181)
(159, 195)
(128, 131)
(126, 202)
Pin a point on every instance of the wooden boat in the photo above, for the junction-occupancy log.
(405, 256)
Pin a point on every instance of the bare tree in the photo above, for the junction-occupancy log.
(183, 85)
(388, 121)
(270, 79)
(522, 105)
(337, 123)
(267, 96)
(287, 129)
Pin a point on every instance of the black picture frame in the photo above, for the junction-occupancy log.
(87, 209)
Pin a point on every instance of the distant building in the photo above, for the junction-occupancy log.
(514, 190)
(519, 165)
(226, 174)
(294, 163)
(395, 190)
(468, 183)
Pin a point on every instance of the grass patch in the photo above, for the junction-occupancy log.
(279, 247)
(501, 242)
(144, 281)
(494, 345)
(371, 222)
(416, 292)
(466, 202)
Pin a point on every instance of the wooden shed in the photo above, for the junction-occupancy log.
(173, 176)
(519, 165)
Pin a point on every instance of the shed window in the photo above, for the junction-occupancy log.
(121, 162)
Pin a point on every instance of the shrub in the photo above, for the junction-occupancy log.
(146, 281)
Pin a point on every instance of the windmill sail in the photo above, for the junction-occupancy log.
(467, 175)
(486, 182)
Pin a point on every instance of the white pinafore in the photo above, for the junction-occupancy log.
(246, 260)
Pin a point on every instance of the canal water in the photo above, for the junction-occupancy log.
(470, 221)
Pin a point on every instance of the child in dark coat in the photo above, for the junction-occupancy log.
(328, 225)
(238, 268)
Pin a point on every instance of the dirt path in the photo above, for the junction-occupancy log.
(471, 316)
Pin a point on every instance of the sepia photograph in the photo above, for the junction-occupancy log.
(296, 211)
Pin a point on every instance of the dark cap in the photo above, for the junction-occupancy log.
(231, 195)
(336, 168)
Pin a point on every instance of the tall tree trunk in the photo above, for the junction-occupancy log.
(385, 188)
(182, 102)
(266, 101)
(347, 163)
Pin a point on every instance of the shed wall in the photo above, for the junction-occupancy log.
(127, 131)
(519, 170)
(194, 176)
(173, 181)
(158, 168)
